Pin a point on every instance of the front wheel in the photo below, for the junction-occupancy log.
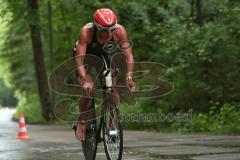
(89, 146)
(113, 135)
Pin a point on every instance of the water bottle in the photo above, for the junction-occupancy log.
(108, 79)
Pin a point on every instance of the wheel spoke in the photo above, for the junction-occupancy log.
(113, 142)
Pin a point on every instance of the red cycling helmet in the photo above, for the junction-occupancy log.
(105, 19)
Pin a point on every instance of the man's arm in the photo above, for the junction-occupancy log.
(127, 51)
(81, 52)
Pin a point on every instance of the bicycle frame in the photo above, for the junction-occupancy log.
(103, 112)
(111, 134)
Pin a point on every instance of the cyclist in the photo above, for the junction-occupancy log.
(92, 38)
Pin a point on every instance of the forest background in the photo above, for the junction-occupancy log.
(199, 41)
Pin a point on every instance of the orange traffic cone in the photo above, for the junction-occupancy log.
(22, 134)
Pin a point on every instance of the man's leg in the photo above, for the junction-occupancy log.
(85, 115)
(81, 129)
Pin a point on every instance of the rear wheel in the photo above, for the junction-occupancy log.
(112, 135)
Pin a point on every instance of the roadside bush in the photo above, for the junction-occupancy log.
(31, 109)
(223, 121)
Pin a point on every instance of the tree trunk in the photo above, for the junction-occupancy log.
(46, 104)
(50, 42)
(192, 8)
(199, 18)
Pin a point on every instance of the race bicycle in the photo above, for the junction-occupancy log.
(104, 125)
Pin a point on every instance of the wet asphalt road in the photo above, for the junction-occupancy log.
(58, 143)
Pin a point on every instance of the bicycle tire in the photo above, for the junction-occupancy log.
(89, 146)
(106, 141)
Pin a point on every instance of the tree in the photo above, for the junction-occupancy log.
(199, 18)
(50, 32)
(43, 90)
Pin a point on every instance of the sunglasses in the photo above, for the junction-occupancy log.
(105, 29)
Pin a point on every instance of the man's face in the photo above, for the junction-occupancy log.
(106, 33)
(105, 29)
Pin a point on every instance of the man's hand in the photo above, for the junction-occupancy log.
(131, 86)
(87, 85)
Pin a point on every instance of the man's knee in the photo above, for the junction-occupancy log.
(116, 98)
(84, 102)
(88, 92)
